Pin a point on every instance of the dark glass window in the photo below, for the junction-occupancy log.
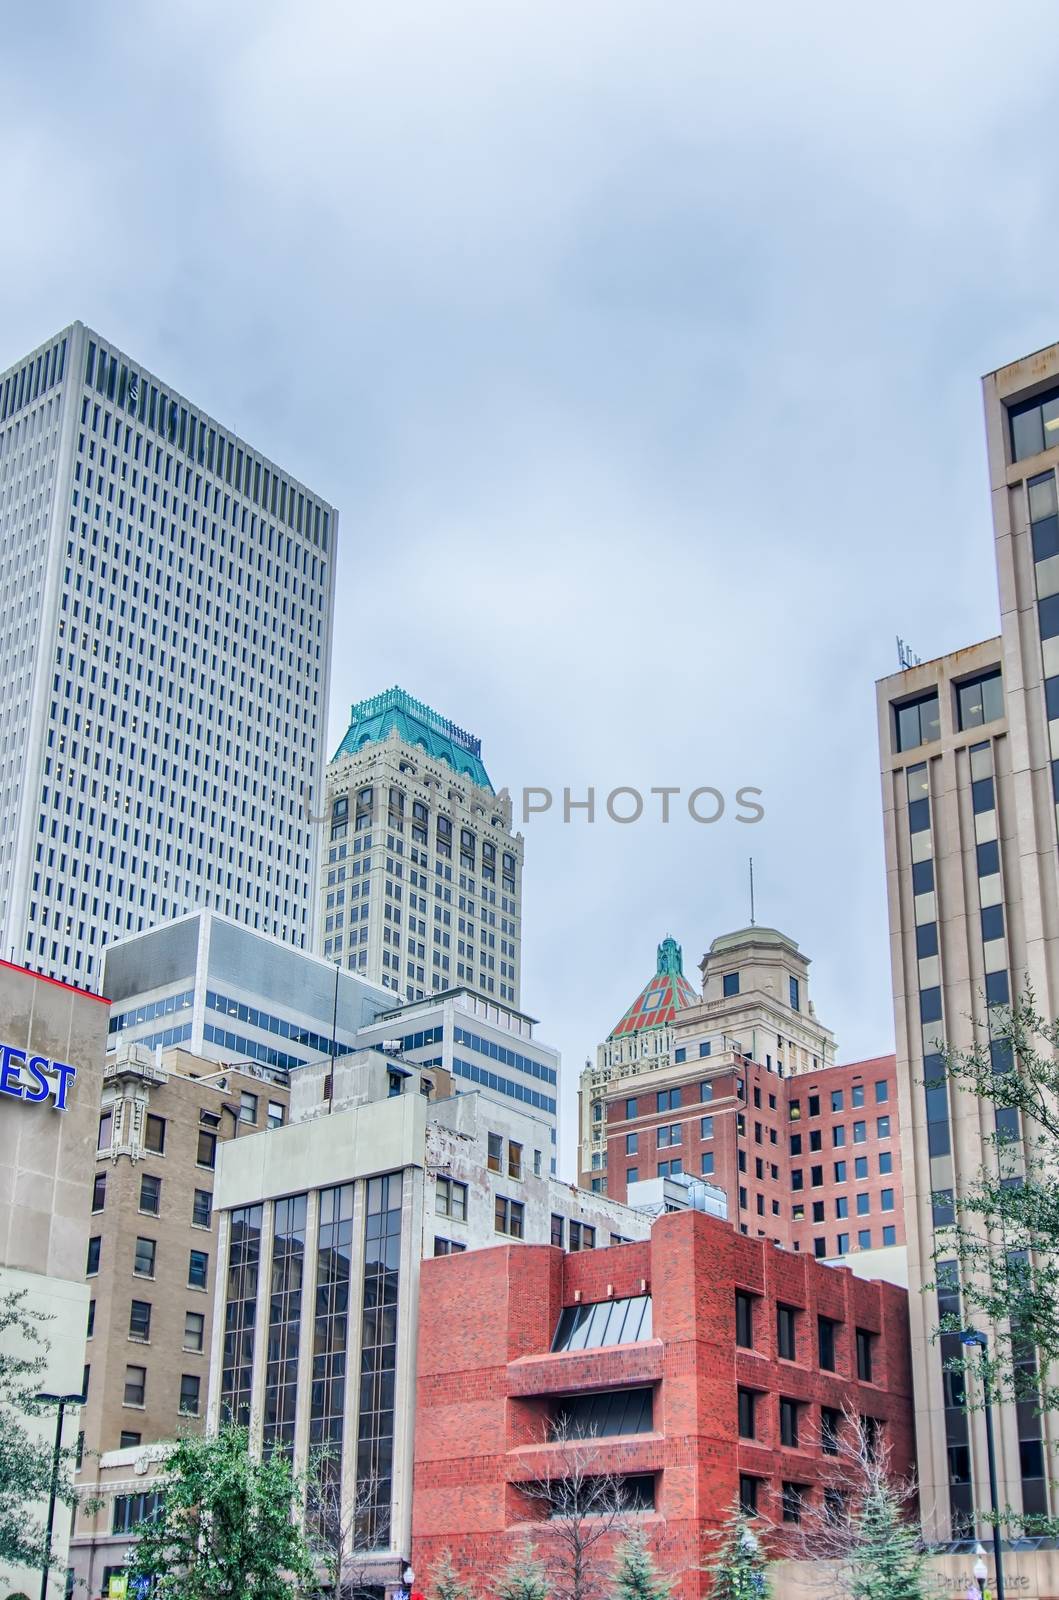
(154, 1135)
(1044, 522)
(730, 983)
(826, 1342)
(789, 1422)
(99, 1191)
(864, 1354)
(917, 722)
(748, 1494)
(588, 1327)
(830, 1423)
(980, 700)
(1034, 425)
(744, 1319)
(747, 1404)
(630, 1109)
(198, 1269)
(143, 1259)
(201, 1208)
(207, 1149)
(140, 1319)
(150, 1194)
(618, 1411)
(795, 994)
(786, 1344)
(792, 1502)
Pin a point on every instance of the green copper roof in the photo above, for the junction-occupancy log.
(662, 996)
(393, 711)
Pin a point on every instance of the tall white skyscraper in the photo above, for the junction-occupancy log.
(164, 666)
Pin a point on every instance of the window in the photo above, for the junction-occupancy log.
(94, 1247)
(796, 1144)
(841, 1207)
(509, 1217)
(276, 1114)
(91, 1326)
(630, 1109)
(450, 1199)
(747, 1403)
(837, 1100)
(140, 1319)
(190, 1384)
(668, 1135)
(143, 1258)
(860, 1167)
(887, 1199)
(194, 1329)
(792, 1502)
(582, 1236)
(447, 1247)
(789, 1423)
(132, 1509)
(830, 1422)
(705, 1091)
(981, 699)
(917, 722)
(248, 1107)
(667, 1169)
(680, 1054)
(794, 1110)
(128, 1441)
(495, 1157)
(202, 1208)
(840, 1172)
(785, 1332)
(154, 1135)
(207, 1149)
(632, 1175)
(794, 994)
(816, 1177)
(842, 1244)
(558, 1230)
(618, 1411)
(863, 1205)
(705, 1127)
(825, 1340)
(135, 1386)
(889, 1234)
(864, 1355)
(668, 1099)
(198, 1269)
(99, 1191)
(514, 1159)
(814, 1105)
(860, 1132)
(882, 1093)
(730, 983)
(632, 1144)
(707, 1163)
(744, 1319)
(105, 1136)
(838, 1136)
(818, 1211)
(589, 1327)
(748, 1488)
(1034, 425)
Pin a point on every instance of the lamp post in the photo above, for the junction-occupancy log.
(62, 1401)
(969, 1337)
(980, 1570)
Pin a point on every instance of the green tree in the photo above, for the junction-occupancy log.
(1003, 1228)
(635, 1576)
(25, 1459)
(887, 1562)
(226, 1525)
(739, 1567)
(524, 1577)
(444, 1583)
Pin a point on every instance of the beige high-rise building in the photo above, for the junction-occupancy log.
(420, 872)
(151, 1264)
(968, 744)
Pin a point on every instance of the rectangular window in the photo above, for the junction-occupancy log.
(882, 1093)
(705, 1091)
(94, 1246)
(202, 1208)
(150, 1194)
(1034, 425)
(748, 1490)
(276, 1114)
(105, 1136)
(789, 1423)
(143, 1258)
(135, 1386)
(744, 1319)
(514, 1159)
(887, 1199)
(589, 1327)
(980, 700)
(857, 1097)
(786, 1346)
(840, 1172)
(450, 1199)
(247, 1107)
(889, 1234)
(830, 1423)
(917, 722)
(793, 1498)
(99, 1191)
(860, 1132)
(198, 1269)
(864, 1355)
(582, 1236)
(882, 1127)
(612, 1413)
(837, 1100)
(194, 1330)
(140, 1320)
(747, 1402)
(154, 1135)
(707, 1163)
(558, 1230)
(206, 1155)
(127, 1440)
(509, 1217)
(630, 1110)
(632, 1142)
(730, 983)
(495, 1157)
(825, 1340)
(190, 1385)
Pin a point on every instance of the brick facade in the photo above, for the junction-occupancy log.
(487, 1385)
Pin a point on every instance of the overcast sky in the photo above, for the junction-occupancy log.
(639, 346)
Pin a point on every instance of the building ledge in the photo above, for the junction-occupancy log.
(615, 1366)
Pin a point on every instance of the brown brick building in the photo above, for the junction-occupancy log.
(713, 1368)
(151, 1262)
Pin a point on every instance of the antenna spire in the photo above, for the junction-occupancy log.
(751, 859)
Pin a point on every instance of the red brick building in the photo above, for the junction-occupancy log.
(812, 1161)
(713, 1366)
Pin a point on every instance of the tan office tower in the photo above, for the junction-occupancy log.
(969, 782)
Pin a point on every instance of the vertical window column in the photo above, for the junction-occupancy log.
(284, 1323)
(240, 1313)
(378, 1362)
(330, 1353)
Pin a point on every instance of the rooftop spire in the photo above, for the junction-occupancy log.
(670, 958)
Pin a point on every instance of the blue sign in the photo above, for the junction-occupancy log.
(35, 1078)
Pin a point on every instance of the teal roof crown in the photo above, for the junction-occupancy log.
(371, 721)
(670, 958)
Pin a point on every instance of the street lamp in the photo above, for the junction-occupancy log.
(980, 1570)
(62, 1401)
(970, 1337)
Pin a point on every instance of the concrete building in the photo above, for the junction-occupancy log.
(226, 994)
(740, 1088)
(170, 594)
(968, 746)
(323, 1227)
(697, 1366)
(640, 1042)
(421, 874)
(480, 1042)
(151, 1268)
(52, 1043)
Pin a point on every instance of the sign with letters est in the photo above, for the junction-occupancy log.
(35, 1078)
